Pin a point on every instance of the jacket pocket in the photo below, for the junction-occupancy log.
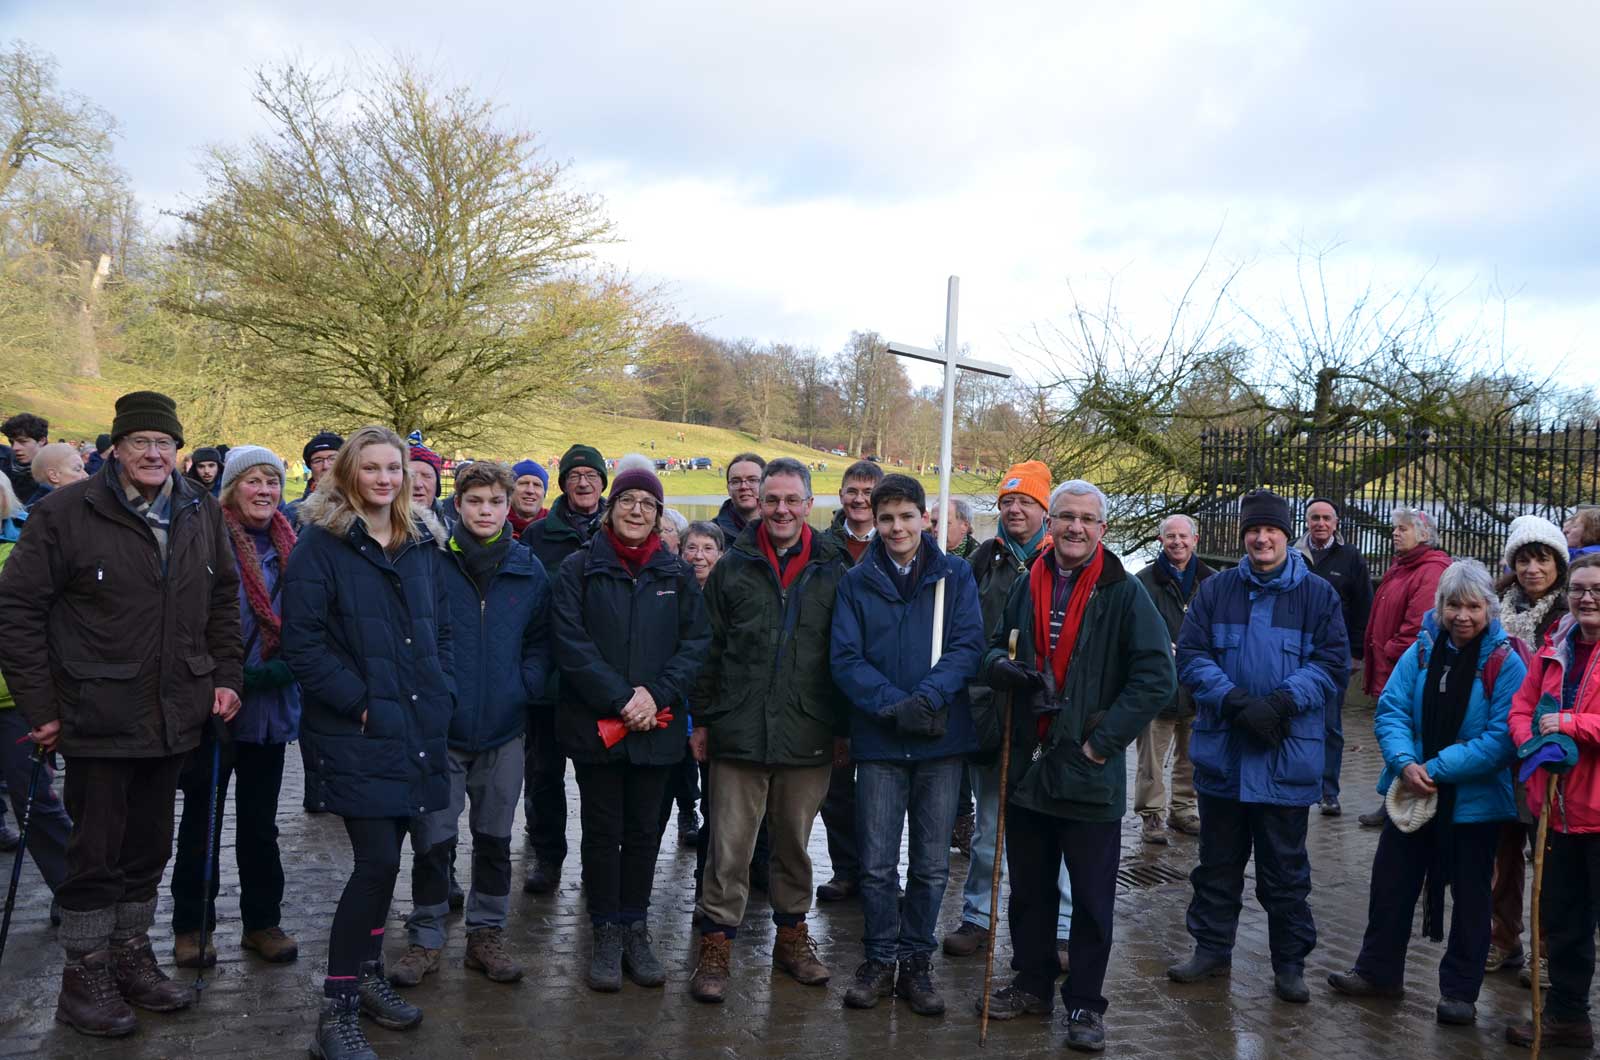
(103, 696)
(200, 665)
(1069, 776)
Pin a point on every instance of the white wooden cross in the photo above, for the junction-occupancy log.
(951, 359)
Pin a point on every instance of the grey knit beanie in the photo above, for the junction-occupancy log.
(242, 458)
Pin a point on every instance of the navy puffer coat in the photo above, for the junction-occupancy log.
(614, 631)
(367, 632)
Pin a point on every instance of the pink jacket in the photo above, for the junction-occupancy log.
(1580, 788)
(1404, 595)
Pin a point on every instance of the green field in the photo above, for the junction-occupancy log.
(85, 410)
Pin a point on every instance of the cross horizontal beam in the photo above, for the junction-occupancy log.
(966, 365)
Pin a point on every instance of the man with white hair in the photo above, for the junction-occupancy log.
(1093, 667)
(1172, 581)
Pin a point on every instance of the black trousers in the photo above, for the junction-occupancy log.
(544, 800)
(1398, 870)
(1568, 909)
(839, 818)
(620, 806)
(1229, 831)
(683, 788)
(358, 922)
(1035, 846)
(259, 768)
(121, 810)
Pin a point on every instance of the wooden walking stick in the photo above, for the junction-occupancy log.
(999, 850)
(1538, 924)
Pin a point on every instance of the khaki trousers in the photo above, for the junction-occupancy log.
(1162, 737)
(741, 795)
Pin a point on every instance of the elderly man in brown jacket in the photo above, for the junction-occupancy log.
(119, 636)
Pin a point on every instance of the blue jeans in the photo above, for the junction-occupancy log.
(887, 793)
(980, 873)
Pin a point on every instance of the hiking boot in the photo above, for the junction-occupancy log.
(486, 953)
(688, 828)
(639, 958)
(1200, 966)
(968, 938)
(1525, 977)
(1374, 819)
(90, 1002)
(1505, 958)
(605, 962)
(961, 835)
(838, 889)
(338, 1035)
(1354, 984)
(1330, 806)
(873, 980)
(186, 950)
(710, 980)
(381, 1003)
(1012, 1001)
(544, 877)
(141, 980)
(1290, 986)
(1455, 1012)
(1086, 1031)
(1572, 1034)
(1151, 830)
(795, 952)
(414, 963)
(915, 984)
(1187, 823)
(273, 944)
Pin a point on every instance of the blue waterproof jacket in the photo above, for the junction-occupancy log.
(881, 647)
(1263, 635)
(364, 631)
(501, 648)
(1477, 762)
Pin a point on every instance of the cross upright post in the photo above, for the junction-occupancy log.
(950, 358)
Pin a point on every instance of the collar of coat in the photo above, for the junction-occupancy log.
(321, 509)
(1201, 573)
(1296, 570)
(824, 547)
(1111, 568)
(105, 487)
(1303, 546)
(603, 559)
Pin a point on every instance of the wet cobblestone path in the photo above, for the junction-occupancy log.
(258, 1010)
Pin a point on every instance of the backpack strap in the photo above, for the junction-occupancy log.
(1497, 659)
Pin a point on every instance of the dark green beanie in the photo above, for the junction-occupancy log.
(146, 410)
(581, 456)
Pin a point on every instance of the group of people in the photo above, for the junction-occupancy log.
(445, 656)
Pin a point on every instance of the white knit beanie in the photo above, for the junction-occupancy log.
(242, 458)
(1525, 530)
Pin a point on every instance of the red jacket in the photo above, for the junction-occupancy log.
(1403, 597)
(1581, 787)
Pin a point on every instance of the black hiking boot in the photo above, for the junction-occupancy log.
(338, 1035)
(382, 1003)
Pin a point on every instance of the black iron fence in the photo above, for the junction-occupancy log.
(1472, 480)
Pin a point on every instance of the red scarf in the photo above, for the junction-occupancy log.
(786, 576)
(634, 557)
(1041, 587)
(251, 578)
(518, 523)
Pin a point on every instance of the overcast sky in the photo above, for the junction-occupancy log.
(795, 172)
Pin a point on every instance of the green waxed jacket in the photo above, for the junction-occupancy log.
(766, 694)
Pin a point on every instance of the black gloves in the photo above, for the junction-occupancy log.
(915, 716)
(1264, 717)
(1015, 677)
(1233, 703)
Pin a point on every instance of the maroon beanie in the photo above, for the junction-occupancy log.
(431, 458)
(638, 479)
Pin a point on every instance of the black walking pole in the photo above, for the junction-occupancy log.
(22, 846)
(219, 734)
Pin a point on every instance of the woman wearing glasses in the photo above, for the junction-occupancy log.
(631, 635)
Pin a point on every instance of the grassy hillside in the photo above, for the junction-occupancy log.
(85, 411)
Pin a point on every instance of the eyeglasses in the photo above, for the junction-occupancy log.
(754, 480)
(630, 504)
(1589, 590)
(144, 445)
(583, 476)
(1074, 519)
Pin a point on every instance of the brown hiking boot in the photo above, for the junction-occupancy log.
(274, 945)
(710, 979)
(486, 953)
(795, 952)
(90, 1002)
(186, 950)
(961, 837)
(141, 980)
(415, 963)
(968, 938)
(1574, 1034)
(1151, 831)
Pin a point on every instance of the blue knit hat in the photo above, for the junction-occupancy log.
(531, 467)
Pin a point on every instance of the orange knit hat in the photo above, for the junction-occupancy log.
(1031, 478)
